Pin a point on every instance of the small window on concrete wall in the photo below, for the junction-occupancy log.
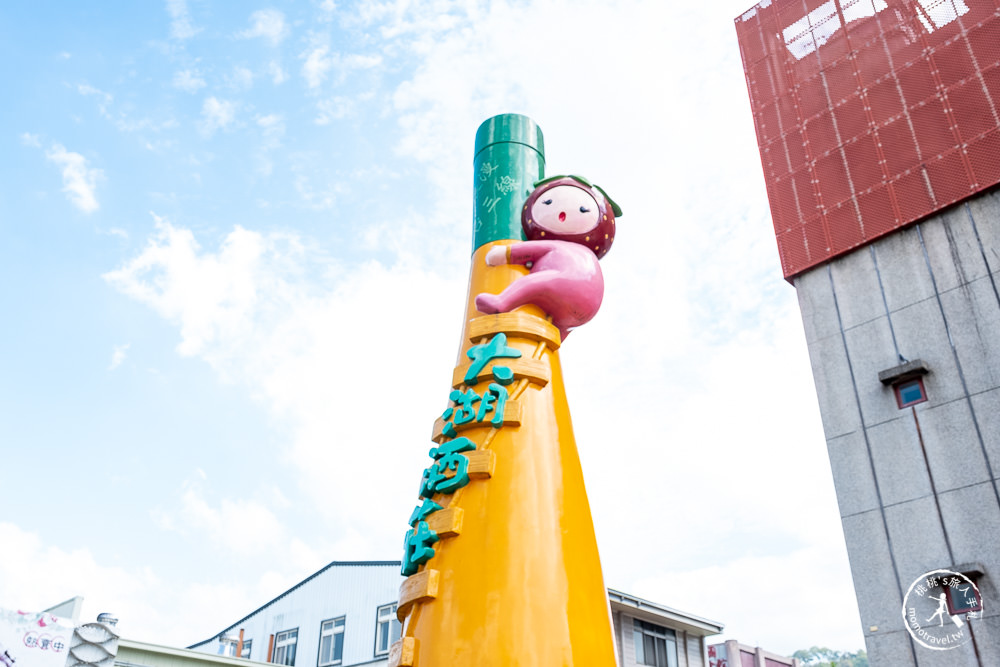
(963, 598)
(907, 382)
(910, 392)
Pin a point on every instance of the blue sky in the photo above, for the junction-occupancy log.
(213, 216)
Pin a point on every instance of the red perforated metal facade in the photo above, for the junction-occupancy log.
(870, 114)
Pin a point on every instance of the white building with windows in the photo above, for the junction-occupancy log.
(345, 615)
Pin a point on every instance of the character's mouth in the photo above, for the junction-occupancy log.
(562, 216)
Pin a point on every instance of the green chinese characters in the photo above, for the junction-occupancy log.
(450, 470)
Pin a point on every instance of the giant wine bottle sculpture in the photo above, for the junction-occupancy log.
(500, 557)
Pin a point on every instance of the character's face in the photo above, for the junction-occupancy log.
(566, 209)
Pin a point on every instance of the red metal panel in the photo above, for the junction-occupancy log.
(991, 78)
(805, 190)
(873, 206)
(768, 124)
(784, 213)
(821, 134)
(985, 41)
(791, 247)
(933, 129)
(817, 240)
(764, 84)
(972, 111)
(831, 172)
(953, 62)
(840, 80)
(812, 97)
(916, 81)
(888, 109)
(984, 155)
(899, 146)
(872, 62)
(885, 99)
(949, 179)
(795, 145)
(774, 163)
(845, 228)
(852, 122)
(862, 158)
(913, 194)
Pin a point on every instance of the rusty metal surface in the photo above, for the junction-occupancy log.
(870, 114)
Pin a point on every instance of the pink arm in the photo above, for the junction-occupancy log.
(529, 251)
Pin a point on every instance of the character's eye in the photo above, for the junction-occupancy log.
(584, 209)
(547, 202)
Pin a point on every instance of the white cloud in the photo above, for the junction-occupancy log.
(332, 109)
(211, 298)
(269, 311)
(59, 575)
(190, 81)
(79, 180)
(104, 99)
(216, 114)
(118, 356)
(243, 526)
(278, 75)
(268, 24)
(241, 79)
(181, 26)
(360, 61)
(34, 575)
(32, 140)
(115, 231)
(797, 589)
(318, 63)
(272, 123)
(272, 129)
(321, 198)
(120, 119)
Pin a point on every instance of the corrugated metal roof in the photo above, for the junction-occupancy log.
(636, 603)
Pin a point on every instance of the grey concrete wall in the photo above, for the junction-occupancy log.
(917, 487)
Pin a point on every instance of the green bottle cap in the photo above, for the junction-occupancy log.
(510, 127)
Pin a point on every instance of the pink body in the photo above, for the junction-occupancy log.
(565, 281)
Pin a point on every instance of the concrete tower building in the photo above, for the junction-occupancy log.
(879, 135)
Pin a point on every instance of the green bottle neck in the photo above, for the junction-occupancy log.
(510, 158)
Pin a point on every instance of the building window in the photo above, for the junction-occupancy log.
(388, 628)
(963, 598)
(331, 641)
(247, 645)
(654, 644)
(907, 382)
(910, 392)
(227, 647)
(284, 647)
